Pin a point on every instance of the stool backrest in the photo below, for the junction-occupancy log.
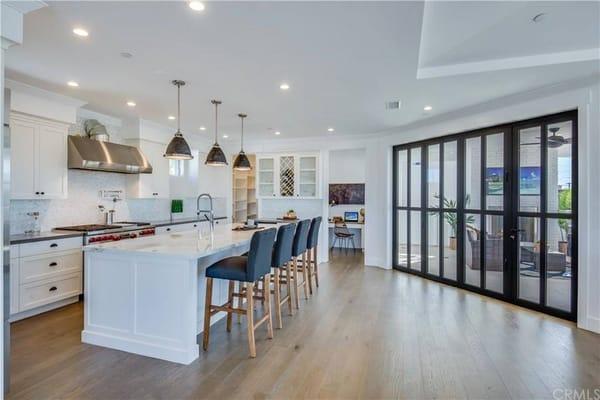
(341, 229)
(313, 232)
(260, 253)
(282, 252)
(300, 238)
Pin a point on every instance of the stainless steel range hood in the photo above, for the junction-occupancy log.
(90, 154)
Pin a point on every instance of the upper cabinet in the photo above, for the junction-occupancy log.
(38, 158)
(288, 175)
(156, 184)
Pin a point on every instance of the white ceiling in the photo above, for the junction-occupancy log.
(343, 60)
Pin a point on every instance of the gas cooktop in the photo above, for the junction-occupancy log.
(88, 228)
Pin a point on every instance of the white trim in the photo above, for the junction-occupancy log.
(509, 63)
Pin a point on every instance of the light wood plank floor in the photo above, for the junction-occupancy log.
(365, 333)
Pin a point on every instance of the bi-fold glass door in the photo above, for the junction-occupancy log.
(492, 211)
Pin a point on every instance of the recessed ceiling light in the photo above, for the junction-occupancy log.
(73, 84)
(196, 5)
(427, 108)
(171, 117)
(330, 129)
(277, 133)
(80, 32)
(225, 136)
(131, 103)
(284, 86)
(202, 128)
(538, 17)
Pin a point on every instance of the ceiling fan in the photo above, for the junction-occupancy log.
(554, 140)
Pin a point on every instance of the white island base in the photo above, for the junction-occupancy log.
(146, 296)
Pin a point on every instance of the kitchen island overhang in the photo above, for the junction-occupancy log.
(146, 296)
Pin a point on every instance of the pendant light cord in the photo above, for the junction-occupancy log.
(216, 122)
(178, 108)
(242, 146)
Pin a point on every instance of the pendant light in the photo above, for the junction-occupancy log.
(216, 157)
(178, 149)
(241, 162)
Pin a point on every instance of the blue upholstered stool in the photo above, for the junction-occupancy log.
(299, 259)
(313, 241)
(249, 269)
(282, 259)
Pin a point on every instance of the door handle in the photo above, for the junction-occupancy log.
(513, 232)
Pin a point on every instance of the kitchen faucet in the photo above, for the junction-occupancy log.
(211, 215)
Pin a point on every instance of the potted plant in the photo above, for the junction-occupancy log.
(451, 219)
(291, 214)
(564, 204)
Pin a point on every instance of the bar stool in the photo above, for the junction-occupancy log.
(256, 266)
(282, 256)
(341, 232)
(299, 250)
(311, 245)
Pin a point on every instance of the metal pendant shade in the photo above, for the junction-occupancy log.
(242, 163)
(178, 148)
(215, 156)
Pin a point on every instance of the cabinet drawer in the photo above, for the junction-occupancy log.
(36, 268)
(50, 246)
(37, 294)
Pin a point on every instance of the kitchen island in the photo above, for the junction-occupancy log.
(146, 296)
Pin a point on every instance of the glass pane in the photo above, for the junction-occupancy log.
(308, 190)
(309, 163)
(265, 164)
(415, 240)
(529, 259)
(433, 246)
(308, 177)
(472, 173)
(265, 177)
(472, 249)
(559, 178)
(494, 253)
(558, 263)
(286, 176)
(401, 238)
(415, 177)
(529, 169)
(450, 174)
(433, 176)
(494, 171)
(450, 246)
(402, 177)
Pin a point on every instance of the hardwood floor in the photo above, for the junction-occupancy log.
(365, 333)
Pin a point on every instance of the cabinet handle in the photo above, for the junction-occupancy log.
(43, 193)
(195, 225)
(52, 289)
(37, 192)
(168, 229)
(53, 264)
(54, 245)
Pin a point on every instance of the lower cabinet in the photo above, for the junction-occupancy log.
(44, 275)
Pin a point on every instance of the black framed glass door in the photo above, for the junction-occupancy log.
(493, 211)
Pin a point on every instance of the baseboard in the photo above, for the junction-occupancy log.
(590, 324)
(42, 309)
(376, 262)
(139, 347)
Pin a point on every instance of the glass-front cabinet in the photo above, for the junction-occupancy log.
(288, 175)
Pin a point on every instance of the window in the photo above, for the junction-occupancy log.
(176, 168)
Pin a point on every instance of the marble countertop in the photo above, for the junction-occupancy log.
(39, 237)
(167, 222)
(187, 245)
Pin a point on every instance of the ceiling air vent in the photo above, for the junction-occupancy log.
(393, 105)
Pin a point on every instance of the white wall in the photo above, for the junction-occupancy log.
(347, 166)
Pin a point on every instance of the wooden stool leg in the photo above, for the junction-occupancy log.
(267, 309)
(315, 260)
(230, 304)
(288, 279)
(240, 300)
(296, 284)
(277, 290)
(250, 318)
(207, 304)
(305, 273)
(309, 266)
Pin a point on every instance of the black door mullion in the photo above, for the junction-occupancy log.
(543, 209)
(408, 203)
(460, 207)
(510, 251)
(441, 213)
(424, 205)
(482, 202)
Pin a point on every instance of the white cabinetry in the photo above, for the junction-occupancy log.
(44, 275)
(156, 184)
(38, 158)
(288, 175)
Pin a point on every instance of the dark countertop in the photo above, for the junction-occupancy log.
(39, 237)
(50, 235)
